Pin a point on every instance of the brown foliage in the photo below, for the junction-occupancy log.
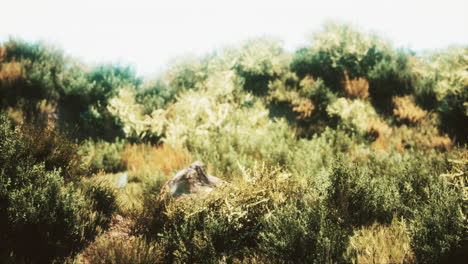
(441, 142)
(406, 110)
(11, 71)
(2, 53)
(304, 107)
(53, 148)
(382, 133)
(356, 88)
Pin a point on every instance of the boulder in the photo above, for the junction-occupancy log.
(193, 180)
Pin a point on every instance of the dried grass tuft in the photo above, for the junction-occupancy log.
(381, 244)
(407, 111)
(146, 158)
(11, 71)
(356, 88)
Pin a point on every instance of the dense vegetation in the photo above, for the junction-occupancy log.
(345, 151)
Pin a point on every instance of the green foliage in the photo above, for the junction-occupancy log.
(155, 95)
(136, 125)
(187, 73)
(338, 117)
(102, 155)
(380, 188)
(54, 149)
(87, 96)
(389, 77)
(354, 115)
(302, 232)
(258, 61)
(339, 48)
(42, 218)
(335, 49)
(43, 67)
(443, 86)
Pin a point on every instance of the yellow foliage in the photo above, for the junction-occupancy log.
(356, 88)
(381, 244)
(15, 114)
(406, 109)
(441, 142)
(130, 114)
(307, 83)
(2, 53)
(304, 107)
(379, 127)
(11, 71)
(355, 114)
(145, 158)
(381, 131)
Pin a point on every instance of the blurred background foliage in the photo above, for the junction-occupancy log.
(333, 152)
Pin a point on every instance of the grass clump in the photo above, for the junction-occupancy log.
(381, 244)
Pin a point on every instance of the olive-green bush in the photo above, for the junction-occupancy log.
(42, 218)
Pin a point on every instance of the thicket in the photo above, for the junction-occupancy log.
(43, 216)
(332, 153)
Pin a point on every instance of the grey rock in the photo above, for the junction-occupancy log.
(193, 180)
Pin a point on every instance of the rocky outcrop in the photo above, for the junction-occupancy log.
(192, 180)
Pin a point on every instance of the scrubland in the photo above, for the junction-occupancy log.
(348, 150)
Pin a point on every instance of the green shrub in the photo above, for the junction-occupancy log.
(407, 185)
(338, 48)
(442, 86)
(102, 155)
(438, 224)
(42, 218)
(388, 78)
(48, 145)
(302, 231)
(42, 67)
(259, 61)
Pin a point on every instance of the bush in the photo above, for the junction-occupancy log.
(46, 144)
(389, 77)
(408, 186)
(38, 69)
(42, 218)
(336, 49)
(302, 231)
(442, 86)
(260, 61)
(102, 155)
(354, 115)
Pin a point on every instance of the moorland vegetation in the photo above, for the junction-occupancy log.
(347, 150)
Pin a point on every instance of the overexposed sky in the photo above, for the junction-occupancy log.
(147, 34)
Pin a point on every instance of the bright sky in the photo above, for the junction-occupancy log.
(147, 34)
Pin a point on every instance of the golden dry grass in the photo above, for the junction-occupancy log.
(356, 88)
(149, 158)
(441, 142)
(381, 244)
(406, 110)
